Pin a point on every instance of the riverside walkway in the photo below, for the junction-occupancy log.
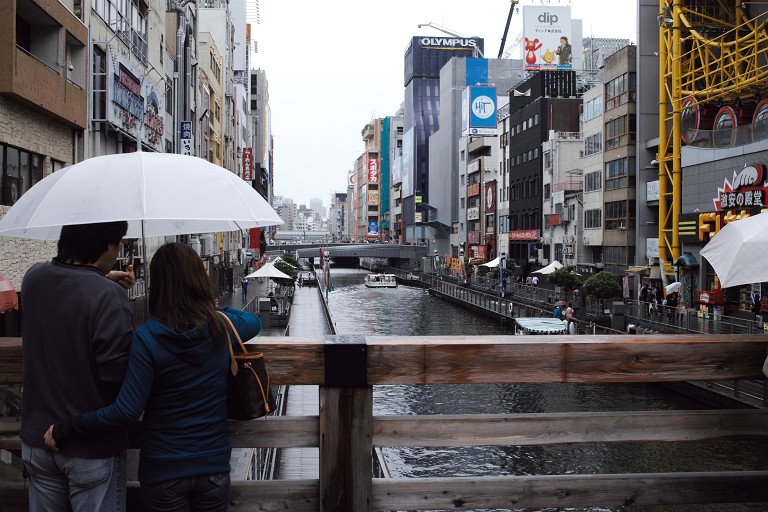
(307, 318)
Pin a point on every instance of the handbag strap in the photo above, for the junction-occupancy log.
(232, 362)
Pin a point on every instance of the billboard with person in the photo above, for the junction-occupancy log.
(547, 37)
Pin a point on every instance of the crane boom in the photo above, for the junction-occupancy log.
(506, 29)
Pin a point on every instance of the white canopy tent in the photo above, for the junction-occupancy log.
(549, 268)
(268, 270)
(493, 263)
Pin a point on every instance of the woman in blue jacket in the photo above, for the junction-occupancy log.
(177, 376)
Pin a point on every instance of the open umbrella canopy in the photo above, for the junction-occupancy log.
(157, 193)
(549, 268)
(269, 270)
(735, 252)
(673, 287)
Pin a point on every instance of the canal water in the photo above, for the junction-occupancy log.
(404, 310)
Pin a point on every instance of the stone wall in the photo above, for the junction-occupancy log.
(28, 129)
(18, 254)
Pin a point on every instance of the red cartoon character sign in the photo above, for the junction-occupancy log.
(530, 50)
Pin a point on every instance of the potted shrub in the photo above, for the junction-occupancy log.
(564, 279)
(603, 285)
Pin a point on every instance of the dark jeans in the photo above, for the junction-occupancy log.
(204, 493)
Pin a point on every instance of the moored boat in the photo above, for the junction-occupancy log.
(539, 325)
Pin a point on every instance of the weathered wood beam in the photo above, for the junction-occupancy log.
(563, 428)
(563, 491)
(492, 359)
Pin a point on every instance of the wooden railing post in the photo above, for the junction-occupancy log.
(346, 425)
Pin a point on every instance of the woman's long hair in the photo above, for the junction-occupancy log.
(180, 294)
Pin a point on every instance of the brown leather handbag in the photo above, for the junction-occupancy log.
(249, 394)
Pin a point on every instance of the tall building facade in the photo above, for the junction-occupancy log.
(545, 101)
(620, 166)
(390, 169)
(337, 217)
(368, 184)
(424, 58)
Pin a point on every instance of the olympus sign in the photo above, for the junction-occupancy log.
(448, 41)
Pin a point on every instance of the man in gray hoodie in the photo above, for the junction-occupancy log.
(77, 328)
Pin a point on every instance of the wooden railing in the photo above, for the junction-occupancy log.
(347, 367)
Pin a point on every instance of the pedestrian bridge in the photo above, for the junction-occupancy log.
(399, 255)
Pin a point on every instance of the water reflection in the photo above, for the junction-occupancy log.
(412, 311)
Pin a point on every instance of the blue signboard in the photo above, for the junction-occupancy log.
(185, 128)
(373, 228)
(482, 111)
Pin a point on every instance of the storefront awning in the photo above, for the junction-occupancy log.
(637, 269)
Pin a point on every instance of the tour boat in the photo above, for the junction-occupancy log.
(539, 325)
(380, 281)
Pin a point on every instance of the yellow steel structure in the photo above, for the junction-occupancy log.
(712, 51)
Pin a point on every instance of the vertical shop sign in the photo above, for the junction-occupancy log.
(373, 170)
(186, 137)
(248, 164)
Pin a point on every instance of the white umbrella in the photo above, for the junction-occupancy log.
(157, 193)
(493, 263)
(673, 287)
(269, 270)
(549, 268)
(736, 251)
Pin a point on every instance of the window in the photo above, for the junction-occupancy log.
(593, 181)
(620, 215)
(593, 219)
(169, 96)
(619, 173)
(593, 108)
(548, 160)
(19, 170)
(128, 18)
(620, 132)
(619, 91)
(593, 144)
(547, 190)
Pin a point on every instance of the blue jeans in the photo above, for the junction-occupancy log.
(56, 481)
(203, 493)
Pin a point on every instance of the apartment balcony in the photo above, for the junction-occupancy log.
(483, 163)
(46, 65)
(481, 144)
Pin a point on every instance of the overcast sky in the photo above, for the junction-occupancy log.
(334, 65)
